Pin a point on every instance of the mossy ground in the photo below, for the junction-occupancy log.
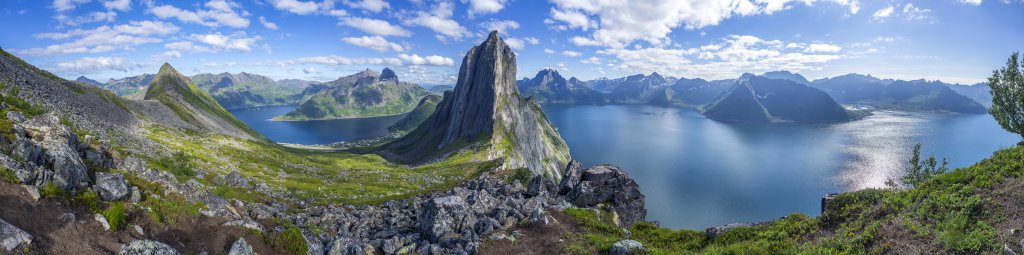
(315, 176)
(958, 212)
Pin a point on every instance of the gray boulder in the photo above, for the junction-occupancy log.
(609, 185)
(147, 247)
(627, 247)
(16, 116)
(571, 177)
(346, 246)
(12, 237)
(445, 217)
(241, 248)
(111, 186)
(235, 179)
(60, 150)
(535, 186)
(714, 232)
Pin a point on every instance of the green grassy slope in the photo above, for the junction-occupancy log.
(169, 84)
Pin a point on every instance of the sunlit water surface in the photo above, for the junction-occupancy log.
(698, 173)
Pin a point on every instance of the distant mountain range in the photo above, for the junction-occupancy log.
(897, 94)
(550, 87)
(853, 89)
(364, 94)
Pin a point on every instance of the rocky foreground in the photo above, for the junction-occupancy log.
(456, 221)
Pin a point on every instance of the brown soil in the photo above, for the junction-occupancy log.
(84, 235)
(536, 238)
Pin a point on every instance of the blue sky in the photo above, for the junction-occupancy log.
(424, 41)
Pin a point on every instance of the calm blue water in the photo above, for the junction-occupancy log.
(312, 132)
(699, 173)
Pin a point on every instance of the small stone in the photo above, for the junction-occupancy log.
(534, 188)
(241, 248)
(139, 230)
(538, 215)
(626, 247)
(408, 249)
(1007, 250)
(16, 116)
(147, 247)
(245, 224)
(33, 191)
(135, 196)
(11, 237)
(66, 217)
(111, 186)
(103, 221)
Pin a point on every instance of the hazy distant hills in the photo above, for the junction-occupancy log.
(88, 81)
(897, 94)
(691, 93)
(758, 98)
(245, 90)
(978, 92)
(550, 87)
(364, 94)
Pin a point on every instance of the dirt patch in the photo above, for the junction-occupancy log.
(54, 233)
(536, 238)
(1008, 198)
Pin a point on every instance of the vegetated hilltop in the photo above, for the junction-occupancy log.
(498, 118)
(364, 94)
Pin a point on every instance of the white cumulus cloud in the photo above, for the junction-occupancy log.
(370, 5)
(569, 53)
(296, 6)
(268, 24)
(477, 7)
(217, 13)
(822, 47)
(104, 38)
(96, 64)
(432, 60)
(439, 19)
(376, 43)
(375, 26)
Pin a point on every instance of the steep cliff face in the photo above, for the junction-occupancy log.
(485, 107)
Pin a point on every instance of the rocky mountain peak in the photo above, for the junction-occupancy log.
(485, 107)
(388, 75)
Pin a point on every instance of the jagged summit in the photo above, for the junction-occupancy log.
(388, 75)
(486, 108)
(193, 105)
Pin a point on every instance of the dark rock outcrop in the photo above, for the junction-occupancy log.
(485, 107)
(388, 75)
(609, 185)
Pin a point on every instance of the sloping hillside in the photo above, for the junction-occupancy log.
(193, 104)
(365, 94)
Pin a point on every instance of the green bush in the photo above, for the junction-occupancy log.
(90, 199)
(51, 190)
(8, 176)
(116, 216)
(291, 240)
(179, 164)
(521, 175)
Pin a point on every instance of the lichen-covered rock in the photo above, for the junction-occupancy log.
(111, 186)
(12, 237)
(147, 247)
(445, 217)
(346, 246)
(714, 232)
(609, 185)
(627, 247)
(240, 247)
(60, 150)
(535, 186)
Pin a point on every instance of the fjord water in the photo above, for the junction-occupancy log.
(698, 173)
(312, 132)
